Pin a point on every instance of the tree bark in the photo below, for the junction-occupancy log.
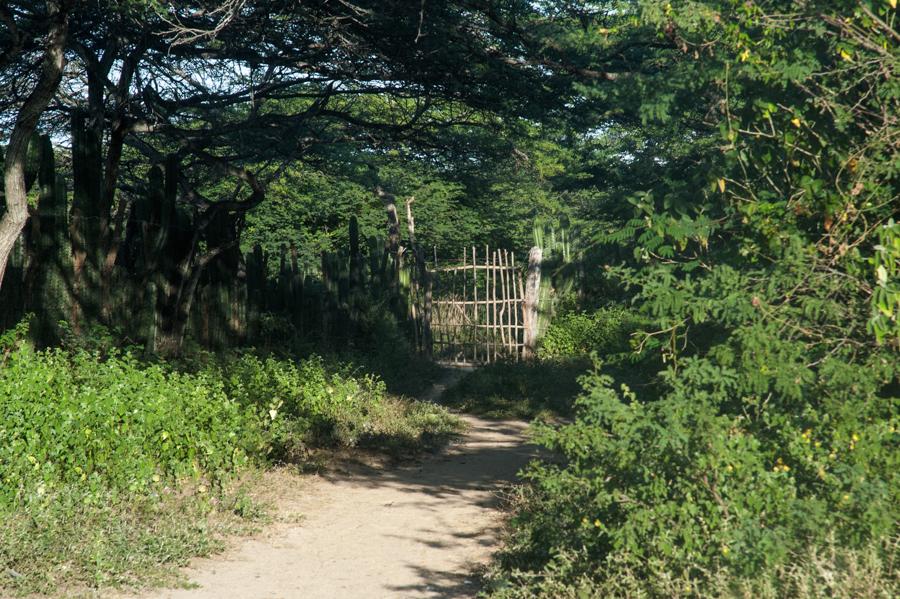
(54, 61)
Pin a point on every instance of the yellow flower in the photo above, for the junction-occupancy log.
(725, 550)
(795, 122)
(597, 523)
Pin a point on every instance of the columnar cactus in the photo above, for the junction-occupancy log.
(88, 214)
(53, 255)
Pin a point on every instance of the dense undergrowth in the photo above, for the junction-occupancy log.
(546, 388)
(111, 467)
(723, 475)
(755, 225)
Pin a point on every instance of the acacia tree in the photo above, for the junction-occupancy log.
(21, 46)
(243, 85)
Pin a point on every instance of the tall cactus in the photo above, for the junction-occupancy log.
(375, 252)
(53, 255)
(297, 308)
(15, 295)
(256, 290)
(356, 275)
(87, 216)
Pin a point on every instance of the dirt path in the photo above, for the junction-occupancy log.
(412, 531)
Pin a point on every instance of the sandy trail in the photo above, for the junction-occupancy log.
(412, 531)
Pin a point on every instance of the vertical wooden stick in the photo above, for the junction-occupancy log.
(503, 299)
(427, 334)
(475, 306)
(496, 326)
(487, 300)
(460, 334)
(532, 296)
(520, 307)
(510, 305)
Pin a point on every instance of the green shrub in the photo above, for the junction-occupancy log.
(113, 424)
(710, 478)
(606, 331)
(314, 403)
(111, 468)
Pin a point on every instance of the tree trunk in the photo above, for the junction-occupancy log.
(54, 61)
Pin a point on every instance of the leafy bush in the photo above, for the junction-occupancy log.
(764, 251)
(606, 331)
(310, 403)
(92, 443)
(711, 477)
(113, 424)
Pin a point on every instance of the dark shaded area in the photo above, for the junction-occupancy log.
(523, 390)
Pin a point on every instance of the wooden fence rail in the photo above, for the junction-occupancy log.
(478, 311)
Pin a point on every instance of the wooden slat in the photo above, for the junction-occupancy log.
(481, 321)
(469, 267)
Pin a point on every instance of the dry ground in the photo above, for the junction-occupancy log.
(416, 530)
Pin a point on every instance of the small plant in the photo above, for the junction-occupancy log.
(606, 331)
(112, 469)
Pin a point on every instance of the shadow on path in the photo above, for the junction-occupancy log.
(418, 530)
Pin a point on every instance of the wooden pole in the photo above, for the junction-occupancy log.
(473, 329)
(427, 339)
(496, 326)
(520, 307)
(488, 298)
(504, 293)
(532, 295)
(392, 242)
(461, 334)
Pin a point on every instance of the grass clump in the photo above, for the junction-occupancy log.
(547, 387)
(113, 471)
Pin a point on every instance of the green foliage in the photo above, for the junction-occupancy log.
(759, 240)
(885, 320)
(712, 476)
(311, 404)
(109, 447)
(606, 331)
(113, 424)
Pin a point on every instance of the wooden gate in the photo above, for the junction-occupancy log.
(481, 309)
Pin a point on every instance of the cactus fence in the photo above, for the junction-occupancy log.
(156, 270)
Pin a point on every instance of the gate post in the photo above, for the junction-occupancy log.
(427, 339)
(532, 297)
